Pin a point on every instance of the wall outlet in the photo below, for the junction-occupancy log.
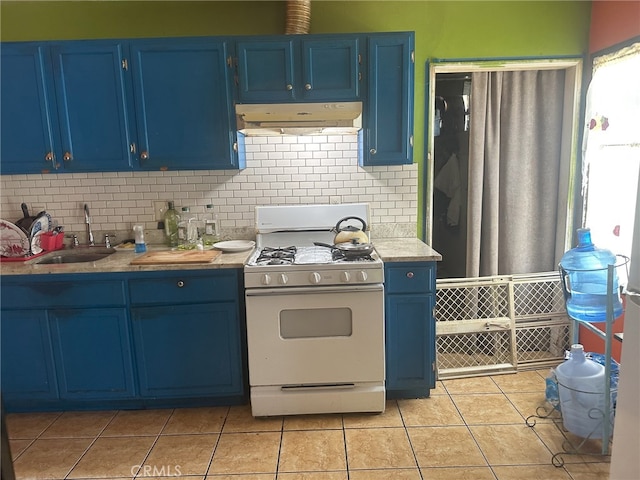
(159, 207)
(335, 199)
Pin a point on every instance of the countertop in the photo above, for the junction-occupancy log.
(120, 261)
(405, 250)
(389, 249)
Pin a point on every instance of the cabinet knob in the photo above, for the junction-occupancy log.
(49, 157)
(373, 151)
(144, 155)
(67, 157)
(180, 284)
(409, 274)
(307, 86)
(289, 87)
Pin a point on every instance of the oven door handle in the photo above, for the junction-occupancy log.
(261, 292)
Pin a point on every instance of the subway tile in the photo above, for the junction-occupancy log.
(312, 167)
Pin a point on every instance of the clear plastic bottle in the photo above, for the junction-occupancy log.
(140, 244)
(171, 220)
(210, 235)
(584, 275)
(582, 393)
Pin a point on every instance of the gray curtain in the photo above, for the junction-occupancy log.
(514, 171)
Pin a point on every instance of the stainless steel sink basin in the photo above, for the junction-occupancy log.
(77, 255)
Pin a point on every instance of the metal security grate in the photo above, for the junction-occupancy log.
(475, 327)
(500, 324)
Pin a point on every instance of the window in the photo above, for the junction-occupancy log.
(611, 149)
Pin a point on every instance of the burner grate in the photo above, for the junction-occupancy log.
(276, 256)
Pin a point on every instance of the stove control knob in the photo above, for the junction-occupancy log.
(345, 277)
(315, 278)
(362, 276)
(266, 279)
(283, 279)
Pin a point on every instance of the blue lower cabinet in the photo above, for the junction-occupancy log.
(122, 340)
(92, 353)
(410, 329)
(27, 358)
(409, 349)
(187, 350)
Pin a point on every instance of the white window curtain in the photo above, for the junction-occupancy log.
(611, 149)
(514, 172)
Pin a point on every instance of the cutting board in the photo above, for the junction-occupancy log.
(169, 256)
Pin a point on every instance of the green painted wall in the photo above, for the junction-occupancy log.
(444, 29)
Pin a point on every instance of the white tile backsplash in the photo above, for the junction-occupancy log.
(280, 170)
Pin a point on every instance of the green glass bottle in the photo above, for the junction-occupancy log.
(171, 220)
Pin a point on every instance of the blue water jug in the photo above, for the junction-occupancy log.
(581, 387)
(584, 281)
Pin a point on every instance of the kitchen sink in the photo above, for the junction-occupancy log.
(77, 255)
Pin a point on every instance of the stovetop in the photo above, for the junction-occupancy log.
(306, 255)
(309, 267)
(286, 254)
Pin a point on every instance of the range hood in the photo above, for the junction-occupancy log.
(299, 118)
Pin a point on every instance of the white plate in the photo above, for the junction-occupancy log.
(41, 224)
(13, 241)
(235, 245)
(36, 248)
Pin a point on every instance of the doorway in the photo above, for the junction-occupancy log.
(450, 170)
(447, 177)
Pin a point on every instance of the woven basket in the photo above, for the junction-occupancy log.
(298, 16)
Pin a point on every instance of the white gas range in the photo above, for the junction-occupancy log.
(315, 319)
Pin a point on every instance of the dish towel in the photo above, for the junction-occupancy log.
(448, 182)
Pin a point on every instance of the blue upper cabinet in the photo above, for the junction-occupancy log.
(298, 69)
(29, 133)
(266, 71)
(330, 69)
(92, 106)
(388, 135)
(64, 108)
(183, 104)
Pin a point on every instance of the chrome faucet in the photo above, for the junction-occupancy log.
(87, 220)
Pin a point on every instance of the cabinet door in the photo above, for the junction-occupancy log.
(188, 350)
(266, 71)
(92, 353)
(29, 132)
(388, 138)
(27, 357)
(183, 105)
(92, 106)
(330, 69)
(410, 349)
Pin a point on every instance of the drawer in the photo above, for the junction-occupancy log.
(186, 288)
(410, 277)
(66, 293)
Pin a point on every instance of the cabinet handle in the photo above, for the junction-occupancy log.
(372, 151)
(180, 284)
(67, 157)
(409, 274)
(307, 86)
(289, 87)
(144, 155)
(49, 157)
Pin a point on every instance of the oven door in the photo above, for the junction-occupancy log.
(315, 336)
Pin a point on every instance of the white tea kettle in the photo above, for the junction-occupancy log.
(349, 233)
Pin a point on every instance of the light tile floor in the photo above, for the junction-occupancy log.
(469, 429)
